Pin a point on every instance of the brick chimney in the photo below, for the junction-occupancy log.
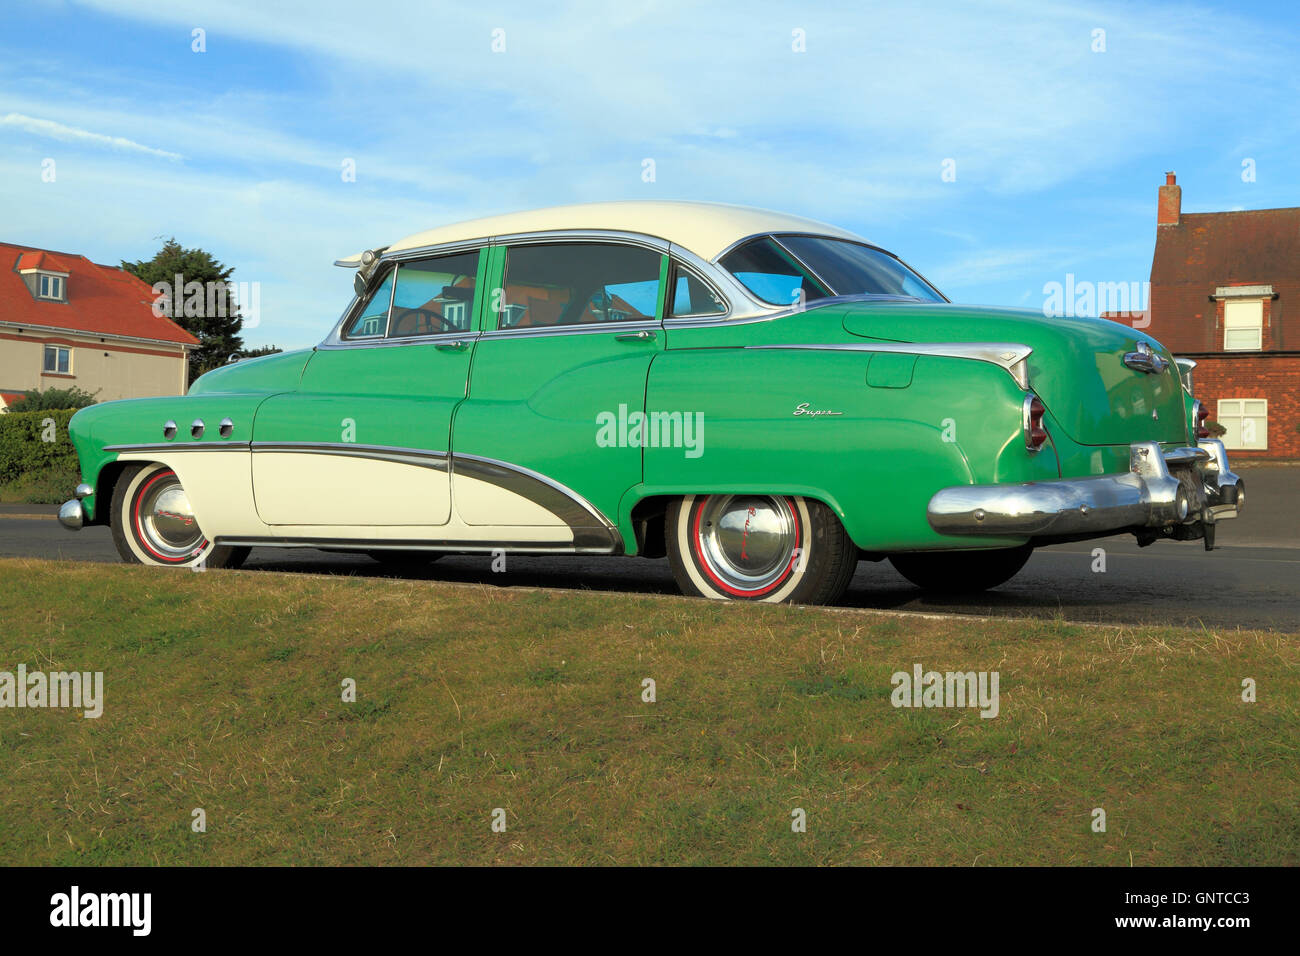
(1170, 205)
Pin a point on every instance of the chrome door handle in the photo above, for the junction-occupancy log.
(644, 335)
(457, 346)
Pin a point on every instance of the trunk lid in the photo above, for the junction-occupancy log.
(1077, 366)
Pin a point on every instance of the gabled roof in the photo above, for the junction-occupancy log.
(101, 300)
(704, 228)
(1223, 248)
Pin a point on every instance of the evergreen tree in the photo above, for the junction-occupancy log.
(198, 298)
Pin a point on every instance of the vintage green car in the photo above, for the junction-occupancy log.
(763, 398)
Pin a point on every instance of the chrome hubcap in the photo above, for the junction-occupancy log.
(748, 541)
(167, 520)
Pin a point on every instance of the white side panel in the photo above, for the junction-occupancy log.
(219, 486)
(337, 490)
(481, 504)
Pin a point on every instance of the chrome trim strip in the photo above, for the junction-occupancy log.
(181, 446)
(590, 528)
(437, 460)
(1005, 355)
(586, 328)
(437, 339)
(417, 544)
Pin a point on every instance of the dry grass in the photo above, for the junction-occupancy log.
(223, 692)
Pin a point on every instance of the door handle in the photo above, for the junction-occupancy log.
(457, 346)
(644, 335)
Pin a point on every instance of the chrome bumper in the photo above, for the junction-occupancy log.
(71, 514)
(1177, 494)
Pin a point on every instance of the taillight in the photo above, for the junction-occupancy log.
(1035, 433)
(1199, 414)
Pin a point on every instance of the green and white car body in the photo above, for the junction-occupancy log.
(764, 398)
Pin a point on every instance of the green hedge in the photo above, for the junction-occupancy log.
(36, 467)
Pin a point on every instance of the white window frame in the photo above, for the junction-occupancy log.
(54, 284)
(57, 349)
(1240, 416)
(1258, 329)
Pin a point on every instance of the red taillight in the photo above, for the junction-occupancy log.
(1035, 433)
(1202, 413)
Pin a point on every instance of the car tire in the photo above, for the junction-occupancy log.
(153, 523)
(961, 572)
(771, 548)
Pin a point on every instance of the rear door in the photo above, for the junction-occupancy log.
(545, 438)
(365, 439)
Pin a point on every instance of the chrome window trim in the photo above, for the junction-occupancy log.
(435, 339)
(573, 237)
(336, 340)
(811, 271)
(586, 328)
(742, 307)
(674, 263)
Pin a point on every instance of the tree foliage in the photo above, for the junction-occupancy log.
(198, 297)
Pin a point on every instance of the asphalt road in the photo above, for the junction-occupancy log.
(1251, 581)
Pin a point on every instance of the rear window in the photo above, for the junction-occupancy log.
(783, 270)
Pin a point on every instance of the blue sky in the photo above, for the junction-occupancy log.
(1058, 150)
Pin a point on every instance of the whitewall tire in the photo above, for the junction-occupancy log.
(771, 548)
(154, 524)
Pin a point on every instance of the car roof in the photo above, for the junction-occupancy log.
(704, 228)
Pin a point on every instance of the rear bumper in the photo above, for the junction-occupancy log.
(1176, 494)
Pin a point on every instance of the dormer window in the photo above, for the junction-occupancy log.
(50, 286)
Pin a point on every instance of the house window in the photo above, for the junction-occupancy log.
(1246, 420)
(49, 287)
(58, 359)
(1243, 325)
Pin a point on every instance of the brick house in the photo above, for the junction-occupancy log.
(1225, 293)
(66, 321)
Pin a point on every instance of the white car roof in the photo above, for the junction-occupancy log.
(704, 228)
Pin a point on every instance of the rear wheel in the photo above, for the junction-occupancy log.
(961, 572)
(759, 548)
(153, 523)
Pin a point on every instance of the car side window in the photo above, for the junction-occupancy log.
(691, 295)
(372, 319)
(578, 283)
(434, 296)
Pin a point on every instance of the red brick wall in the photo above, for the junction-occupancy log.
(1255, 375)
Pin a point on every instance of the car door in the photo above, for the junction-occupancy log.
(544, 439)
(364, 441)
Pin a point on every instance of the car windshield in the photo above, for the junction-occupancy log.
(784, 270)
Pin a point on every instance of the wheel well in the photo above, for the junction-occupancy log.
(105, 485)
(648, 523)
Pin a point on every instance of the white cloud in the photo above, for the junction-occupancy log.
(72, 134)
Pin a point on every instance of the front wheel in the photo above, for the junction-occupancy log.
(759, 548)
(153, 523)
(961, 572)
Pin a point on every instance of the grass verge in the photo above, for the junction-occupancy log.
(223, 692)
